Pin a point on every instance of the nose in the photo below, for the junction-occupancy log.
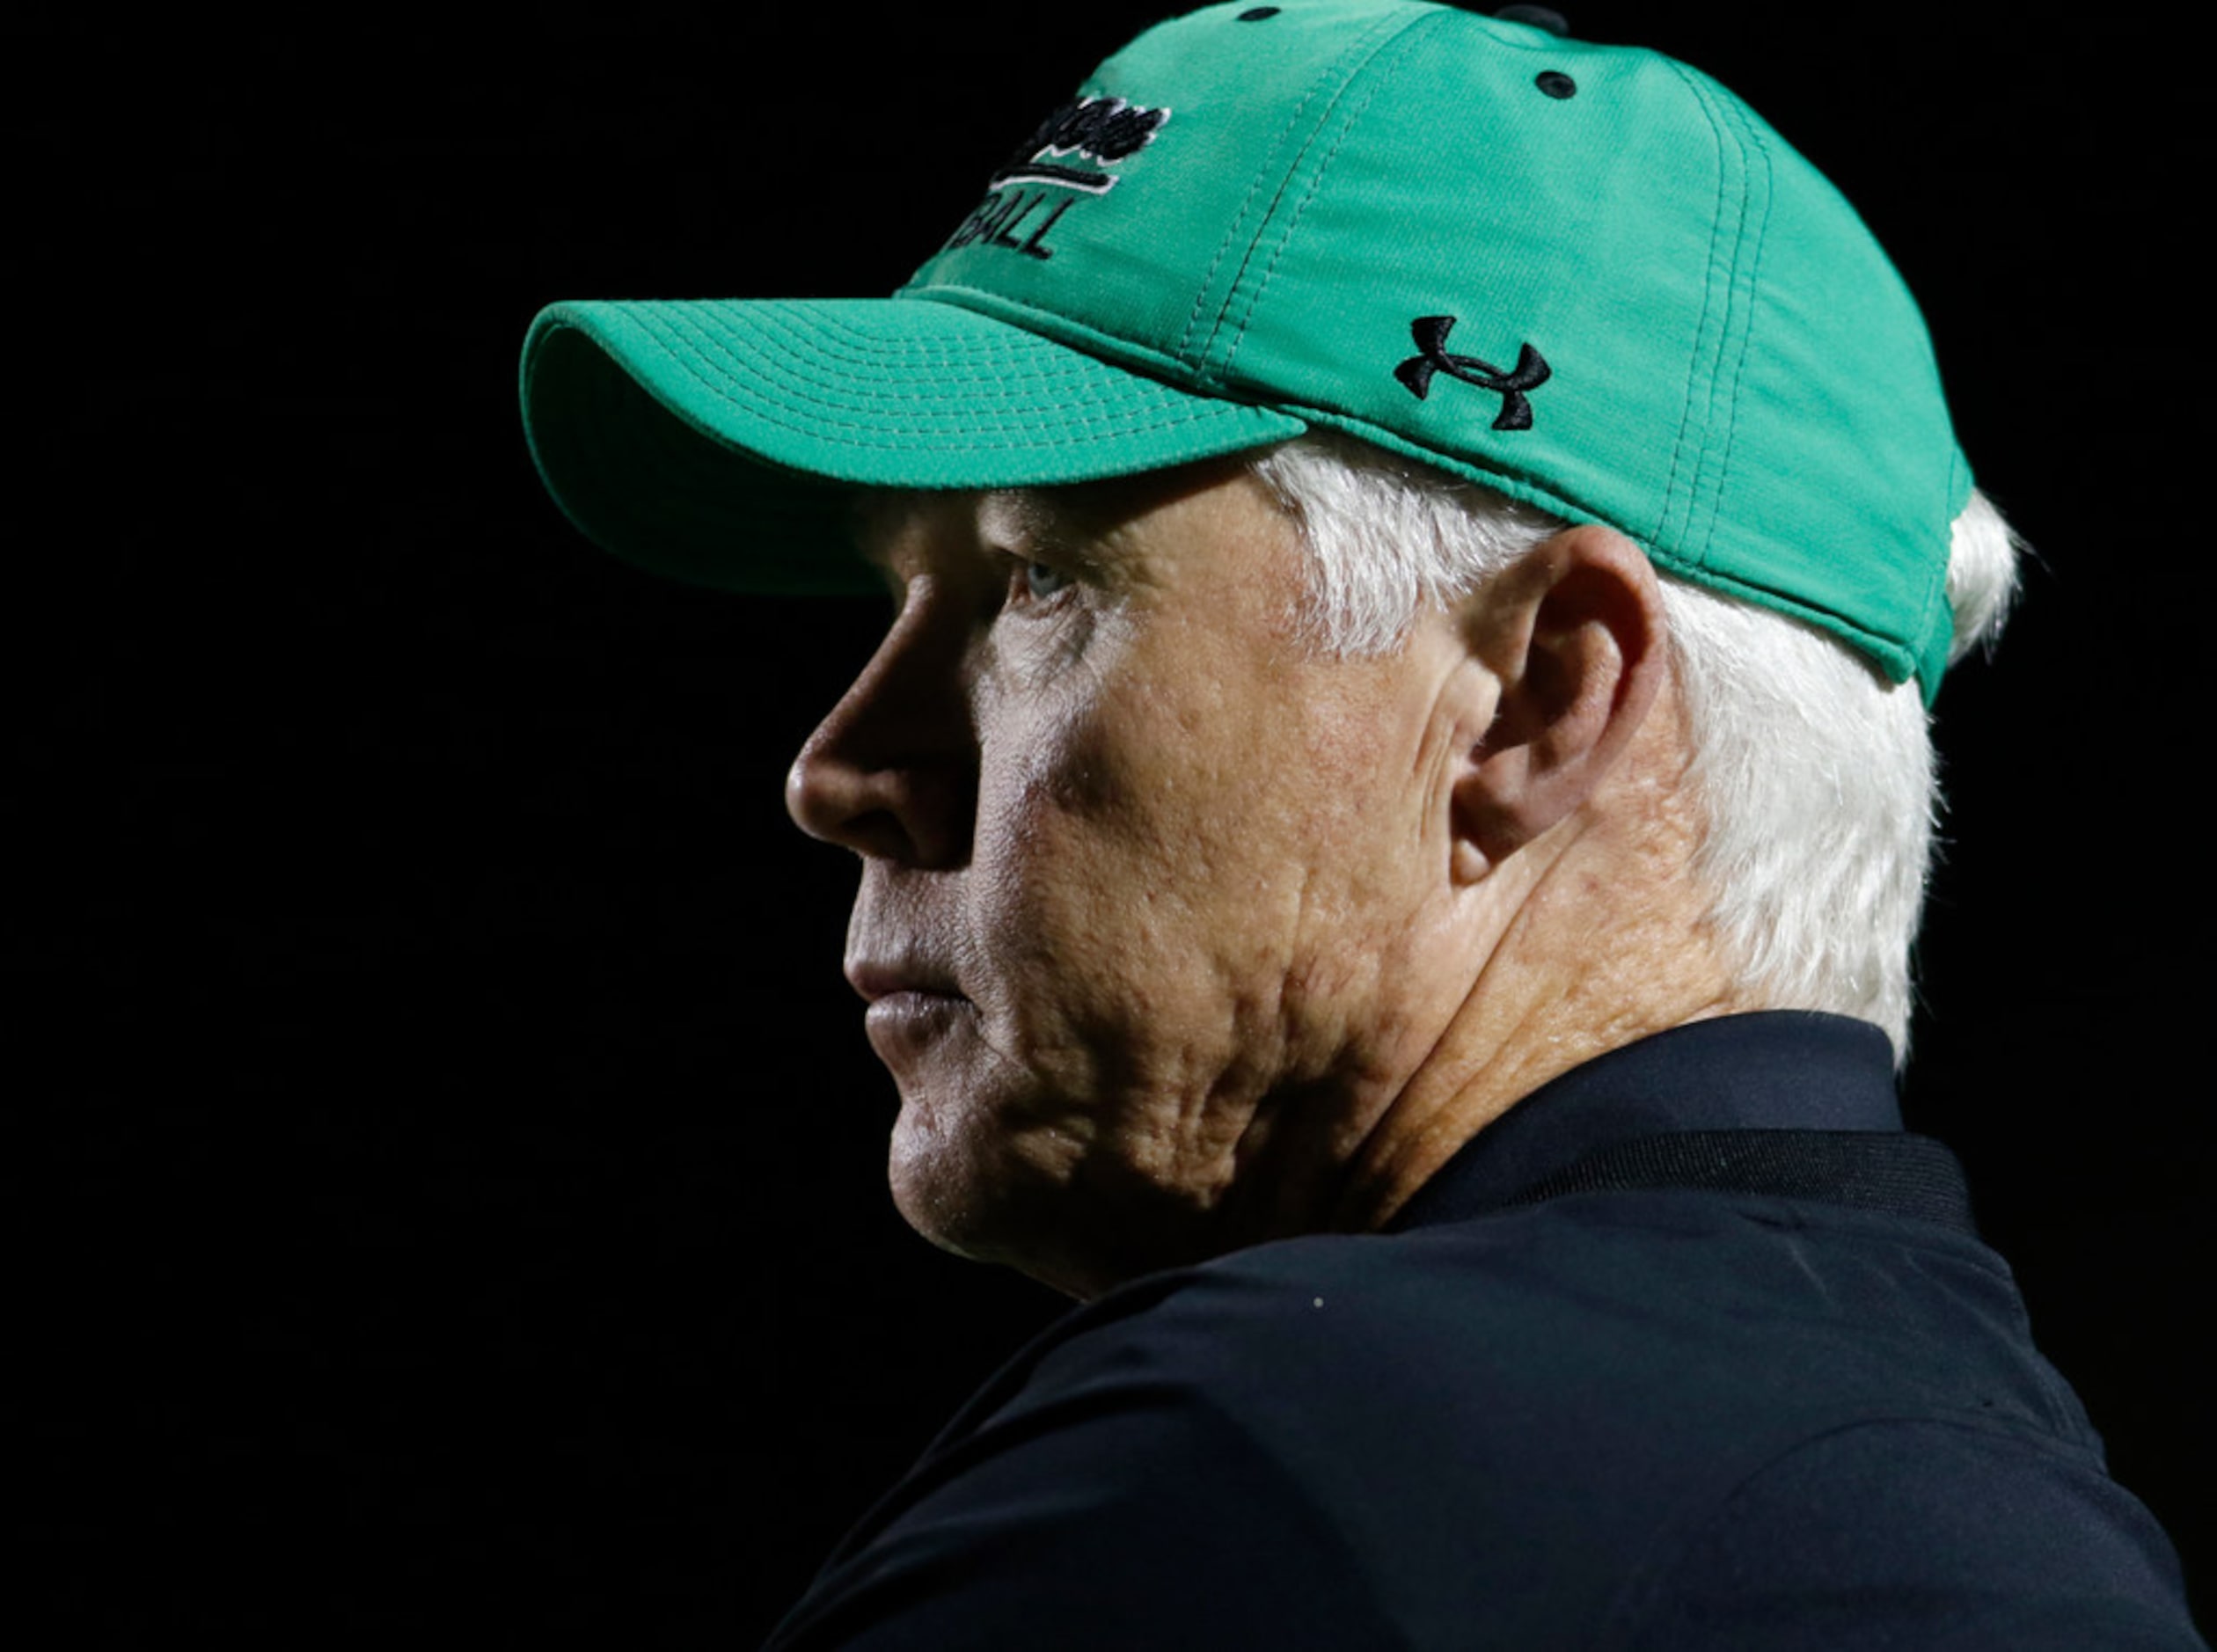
(891, 771)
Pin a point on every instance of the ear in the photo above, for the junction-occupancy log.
(1573, 634)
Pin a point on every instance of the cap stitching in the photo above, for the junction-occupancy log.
(1475, 467)
(1888, 650)
(1033, 369)
(1011, 366)
(668, 524)
(830, 411)
(1356, 57)
(856, 330)
(803, 318)
(1753, 142)
(1378, 83)
(1239, 218)
(783, 370)
(1701, 486)
(1701, 510)
(1111, 348)
(1664, 530)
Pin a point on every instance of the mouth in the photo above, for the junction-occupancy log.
(880, 982)
(912, 1009)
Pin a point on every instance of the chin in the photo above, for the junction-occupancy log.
(940, 1184)
(963, 1186)
(931, 1199)
(1033, 1203)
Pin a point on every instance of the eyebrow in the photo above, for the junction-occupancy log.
(1017, 518)
(1022, 518)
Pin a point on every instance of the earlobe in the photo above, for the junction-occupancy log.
(1573, 634)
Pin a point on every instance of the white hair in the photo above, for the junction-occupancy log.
(1815, 776)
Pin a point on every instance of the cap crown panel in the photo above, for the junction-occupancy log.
(1142, 272)
(1624, 296)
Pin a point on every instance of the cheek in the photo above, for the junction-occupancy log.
(1059, 828)
(1092, 855)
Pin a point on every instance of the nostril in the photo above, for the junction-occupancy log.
(878, 834)
(890, 811)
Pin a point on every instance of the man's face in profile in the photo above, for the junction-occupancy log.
(1146, 899)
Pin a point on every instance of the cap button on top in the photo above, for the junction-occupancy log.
(1538, 17)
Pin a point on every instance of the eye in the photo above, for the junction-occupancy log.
(1042, 581)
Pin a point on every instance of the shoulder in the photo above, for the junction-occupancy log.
(1727, 1314)
(1356, 1440)
(1913, 1530)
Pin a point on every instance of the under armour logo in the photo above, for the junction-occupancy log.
(1430, 335)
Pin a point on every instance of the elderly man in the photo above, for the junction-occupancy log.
(1393, 807)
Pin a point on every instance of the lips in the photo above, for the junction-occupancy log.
(913, 1008)
(876, 979)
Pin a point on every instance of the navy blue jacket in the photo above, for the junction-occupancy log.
(1696, 1347)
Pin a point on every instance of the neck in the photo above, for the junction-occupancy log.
(1596, 940)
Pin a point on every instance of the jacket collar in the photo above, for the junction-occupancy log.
(1769, 1070)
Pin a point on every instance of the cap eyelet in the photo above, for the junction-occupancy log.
(1255, 14)
(1556, 83)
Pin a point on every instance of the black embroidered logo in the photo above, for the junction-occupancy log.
(1070, 150)
(1100, 129)
(1431, 333)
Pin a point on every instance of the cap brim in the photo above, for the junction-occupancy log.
(713, 441)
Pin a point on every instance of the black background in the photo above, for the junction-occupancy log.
(453, 1173)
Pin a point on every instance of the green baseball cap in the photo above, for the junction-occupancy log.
(1587, 276)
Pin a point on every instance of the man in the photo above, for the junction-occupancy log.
(1393, 808)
